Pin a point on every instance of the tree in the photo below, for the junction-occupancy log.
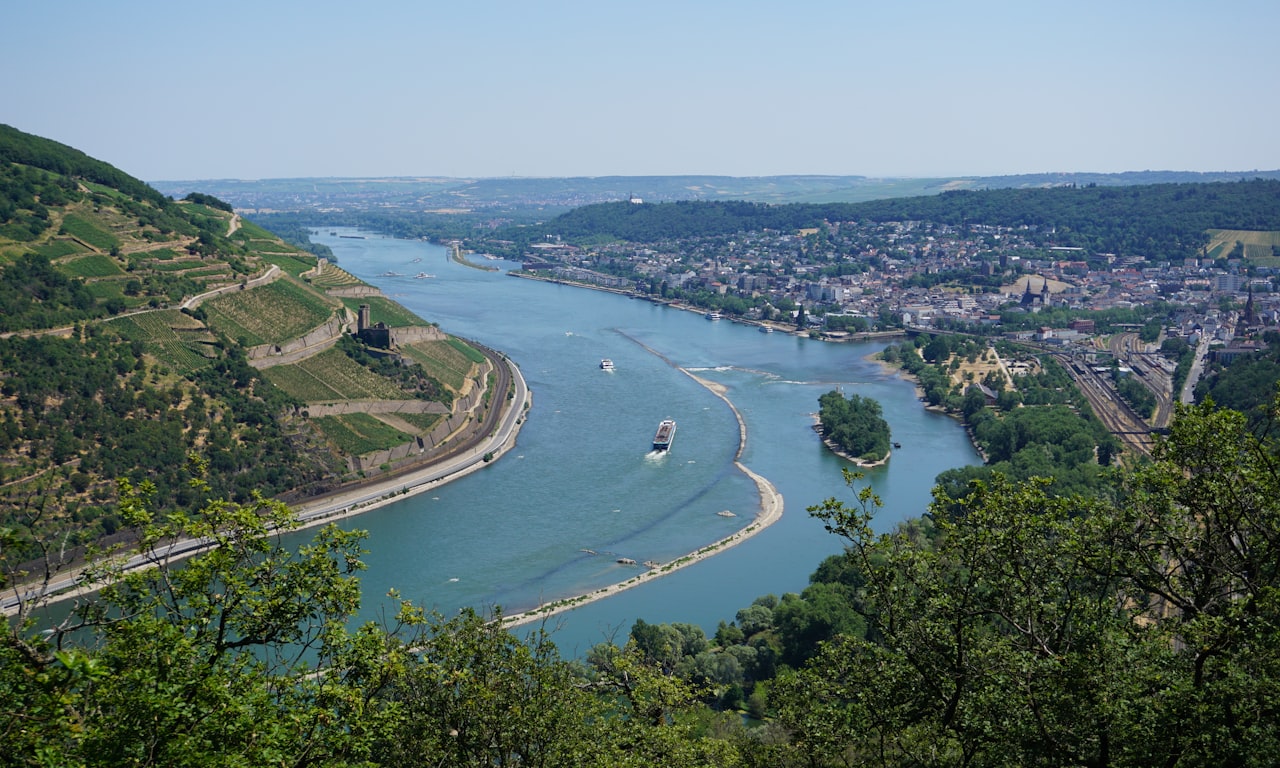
(209, 663)
(1054, 630)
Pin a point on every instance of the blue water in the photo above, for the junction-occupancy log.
(583, 477)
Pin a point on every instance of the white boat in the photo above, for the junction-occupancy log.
(713, 315)
(665, 435)
(766, 329)
(422, 276)
(606, 364)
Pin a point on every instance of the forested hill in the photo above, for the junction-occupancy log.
(49, 155)
(1158, 220)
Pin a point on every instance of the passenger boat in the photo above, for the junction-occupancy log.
(665, 435)
(606, 364)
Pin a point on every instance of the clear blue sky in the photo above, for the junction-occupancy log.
(180, 90)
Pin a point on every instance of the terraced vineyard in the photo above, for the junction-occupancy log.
(330, 376)
(443, 361)
(270, 314)
(177, 340)
(383, 310)
(90, 232)
(360, 433)
(423, 422)
(93, 265)
(333, 276)
(293, 265)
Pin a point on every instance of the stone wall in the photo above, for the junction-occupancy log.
(317, 340)
(415, 334)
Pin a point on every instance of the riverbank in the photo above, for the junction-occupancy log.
(360, 498)
(770, 512)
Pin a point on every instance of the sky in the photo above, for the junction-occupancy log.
(476, 88)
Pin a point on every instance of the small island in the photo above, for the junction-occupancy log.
(854, 428)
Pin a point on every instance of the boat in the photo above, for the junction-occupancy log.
(713, 315)
(766, 329)
(666, 433)
(606, 364)
(422, 276)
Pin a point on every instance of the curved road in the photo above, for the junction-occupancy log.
(495, 436)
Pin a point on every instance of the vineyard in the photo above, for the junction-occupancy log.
(360, 433)
(271, 314)
(333, 276)
(331, 375)
(423, 422)
(384, 310)
(176, 339)
(81, 228)
(442, 361)
(93, 265)
(56, 249)
(294, 266)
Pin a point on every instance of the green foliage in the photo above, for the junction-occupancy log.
(471, 353)
(270, 314)
(383, 310)
(855, 424)
(360, 433)
(26, 149)
(206, 664)
(208, 200)
(93, 265)
(1033, 629)
(33, 294)
(82, 228)
(1248, 385)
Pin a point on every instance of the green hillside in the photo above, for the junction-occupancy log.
(138, 331)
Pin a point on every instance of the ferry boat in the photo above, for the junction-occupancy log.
(766, 329)
(713, 315)
(606, 364)
(665, 435)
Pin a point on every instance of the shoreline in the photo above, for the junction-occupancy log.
(770, 512)
(351, 502)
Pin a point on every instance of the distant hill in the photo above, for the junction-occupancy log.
(539, 198)
(137, 332)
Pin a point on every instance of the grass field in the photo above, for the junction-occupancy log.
(270, 314)
(331, 375)
(360, 433)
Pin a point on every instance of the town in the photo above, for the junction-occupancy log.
(846, 280)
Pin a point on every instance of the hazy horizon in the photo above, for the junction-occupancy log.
(580, 89)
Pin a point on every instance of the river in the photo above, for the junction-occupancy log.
(583, 479)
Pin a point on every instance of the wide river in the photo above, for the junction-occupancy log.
(582, 478)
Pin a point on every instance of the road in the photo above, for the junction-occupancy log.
(495, 435)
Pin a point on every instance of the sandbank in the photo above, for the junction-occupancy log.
(771, 506)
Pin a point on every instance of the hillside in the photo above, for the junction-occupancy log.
(138, 333)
